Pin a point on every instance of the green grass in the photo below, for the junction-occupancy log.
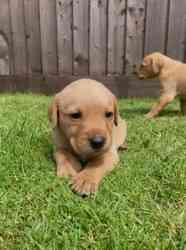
(140, 205)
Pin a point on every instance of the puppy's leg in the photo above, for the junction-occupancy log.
(183, 106)
(87, 181)
(120, 134)
(163, 101)
(67, 164)
(123, 147)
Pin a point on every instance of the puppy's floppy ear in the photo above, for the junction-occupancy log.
(155, 65)
(53, 113)
(116, 112)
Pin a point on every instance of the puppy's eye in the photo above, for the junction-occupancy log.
(76, 115)
(109, 114)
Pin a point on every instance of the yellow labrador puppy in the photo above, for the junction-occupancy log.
(87, 132)
(172, 76)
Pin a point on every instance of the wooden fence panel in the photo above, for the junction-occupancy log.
(81, 36)
(177, 26)
(5, 39)
(156, 26)
(19, 36)
(116, 33)
(64, 34)
(48, 36)
(98, 36)
(135, 34)
(32, 27)
(104, 39)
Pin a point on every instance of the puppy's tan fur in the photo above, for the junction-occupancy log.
(172, 76)
(72, 133)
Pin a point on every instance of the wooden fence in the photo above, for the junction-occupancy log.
(44, 44)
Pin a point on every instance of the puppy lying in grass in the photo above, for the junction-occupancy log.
(172, 76)
(87, 133)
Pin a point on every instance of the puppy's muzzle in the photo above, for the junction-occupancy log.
(141, 77)
(97, 141)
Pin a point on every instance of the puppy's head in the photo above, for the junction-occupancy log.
(151, 66)
(85, 112)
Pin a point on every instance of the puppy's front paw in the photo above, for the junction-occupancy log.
(149, 115)
(84, 183)
(65, 172)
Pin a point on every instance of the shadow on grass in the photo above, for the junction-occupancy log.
(142, 111)
(170, 113)
(136, 111)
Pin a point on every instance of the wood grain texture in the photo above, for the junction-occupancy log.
(98, 36)
(155, 31)
(5, 39)
(4, 56)
(65, 39)
(32, 28)
(18, 36)
(176, 32)
(81, 36)
(116, 33)
(121, 86)
(135, 33)
(48, 29)
(101, 39)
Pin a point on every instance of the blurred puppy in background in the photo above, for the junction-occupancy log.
(87, 132)
(172, 76)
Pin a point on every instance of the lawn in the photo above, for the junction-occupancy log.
(140, 205)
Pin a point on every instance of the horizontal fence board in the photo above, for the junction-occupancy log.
(121, 86)
(142, 88)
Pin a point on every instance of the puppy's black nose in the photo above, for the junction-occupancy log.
(97, 142)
